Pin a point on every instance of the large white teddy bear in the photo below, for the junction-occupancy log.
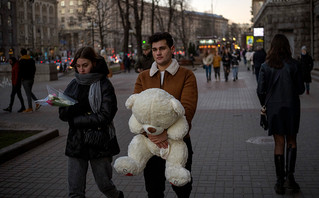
(153, 111)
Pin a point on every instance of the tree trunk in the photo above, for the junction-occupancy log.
(138, 24)
(125, 23)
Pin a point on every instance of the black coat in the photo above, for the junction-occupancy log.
(306, 65)
(27, 68)
(81, 117)
(283, 107)
(259, 58)
(226, 58)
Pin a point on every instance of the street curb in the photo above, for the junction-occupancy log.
(27, 144)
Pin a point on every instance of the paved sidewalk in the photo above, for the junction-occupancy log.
(224, 163)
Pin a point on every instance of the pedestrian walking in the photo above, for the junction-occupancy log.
(127, 63)
(16, 85)
(216, 65)
(259, 58)
(279, 86)
(27, 71)
(180, 82)
(235, 64)
(226, 58)
(249, 58)
(91, 136)
(207, 61)
(307, 66)
(244, 57)
(145, 61)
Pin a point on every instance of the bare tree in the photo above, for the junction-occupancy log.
(125, 16)
(153, 16)
(160, 17)
(180, 25)
(139, 16)
(171, 7)
(97, 12)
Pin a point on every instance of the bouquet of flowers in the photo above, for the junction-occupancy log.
(56, 98)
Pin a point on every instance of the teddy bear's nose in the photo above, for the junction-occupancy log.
(151, 130)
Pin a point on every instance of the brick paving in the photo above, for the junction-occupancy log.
(224, 163)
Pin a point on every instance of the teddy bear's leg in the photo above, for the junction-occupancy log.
(175, 172)
(138, 155)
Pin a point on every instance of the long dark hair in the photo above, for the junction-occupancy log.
(279, 51)
(99, 64)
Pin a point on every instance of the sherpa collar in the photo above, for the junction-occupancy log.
(172, 68)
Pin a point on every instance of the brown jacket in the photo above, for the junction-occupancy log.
(178, 81)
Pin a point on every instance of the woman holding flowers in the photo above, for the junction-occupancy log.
(94, 112)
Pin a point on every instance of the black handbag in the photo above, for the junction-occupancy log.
(263, 118)
(102, 138)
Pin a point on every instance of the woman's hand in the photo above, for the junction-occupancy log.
(160, 140)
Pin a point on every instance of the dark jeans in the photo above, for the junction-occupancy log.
(154, 175)
(226, 72)
(208, 69)
(102, 172)
(16, 89)
(217, 72)
(27, 85)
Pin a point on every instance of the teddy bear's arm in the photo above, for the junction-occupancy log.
(135, 126)
(178, 130)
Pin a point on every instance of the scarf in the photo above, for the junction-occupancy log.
(95, 96)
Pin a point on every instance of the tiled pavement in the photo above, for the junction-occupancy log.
(224, 163)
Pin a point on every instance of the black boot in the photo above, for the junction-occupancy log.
(9, 109)
(291, 155)
(280, 173)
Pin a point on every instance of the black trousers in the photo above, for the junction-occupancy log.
(16, 89)
(154, 175)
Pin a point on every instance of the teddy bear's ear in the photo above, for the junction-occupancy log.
(130, 101)
(177, 106)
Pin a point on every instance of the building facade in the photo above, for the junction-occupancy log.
(297, 19)
(29, 24)
(75, 31)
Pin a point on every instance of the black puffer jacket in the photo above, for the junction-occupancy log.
(81, 117)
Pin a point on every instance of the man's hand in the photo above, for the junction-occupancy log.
(160, 140)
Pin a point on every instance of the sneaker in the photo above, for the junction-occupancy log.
(28, 110)
(37, 106)
(21, 109)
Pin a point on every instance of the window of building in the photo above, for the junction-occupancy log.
(0, 19)
(9, 5)
(62, 11)
(9, 21)
(71, 3)
(71, 11)
(10, 38)
(80, 10)
(80, 2)
(62, 3)
(62, 19)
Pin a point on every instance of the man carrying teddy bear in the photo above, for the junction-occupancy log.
(165, 73)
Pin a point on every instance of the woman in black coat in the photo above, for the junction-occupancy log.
(279, 86)
(306, 65)
(226, 58)
(91, 118)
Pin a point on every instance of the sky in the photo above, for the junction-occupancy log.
(237, 11)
